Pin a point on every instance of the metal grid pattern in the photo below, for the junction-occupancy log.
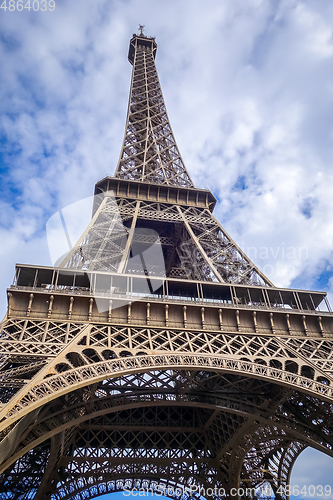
(195, 246)
(149, 151)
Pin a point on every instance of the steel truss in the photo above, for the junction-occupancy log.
(149, 151)
(194, 244)
(243, 422)
(213, 379)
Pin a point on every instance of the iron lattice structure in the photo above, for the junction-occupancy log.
(211, 377)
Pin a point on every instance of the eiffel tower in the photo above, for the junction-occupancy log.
(195, 378)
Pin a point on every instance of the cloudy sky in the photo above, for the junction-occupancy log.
(249, 91)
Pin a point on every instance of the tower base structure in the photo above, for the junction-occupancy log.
(195, 386)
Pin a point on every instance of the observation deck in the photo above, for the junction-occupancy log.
(79, 295)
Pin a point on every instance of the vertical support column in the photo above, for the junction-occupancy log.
(203, 324)
(49, 311)
(288, 322)
(166, 315)
(271, 318)
(70, 308)
(237, 320)
(9, 304)
(185, 318)
(31, 298)
(254, 314)
(320, 325)
(148, 313)
(220, 319)
(110, 311)
(91, 302)
(304, 325)
(129, 312)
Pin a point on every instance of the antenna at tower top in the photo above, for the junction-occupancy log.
(141, 28)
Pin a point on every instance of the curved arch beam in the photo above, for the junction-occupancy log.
(130, 482)
(294, 433)
(62, 383)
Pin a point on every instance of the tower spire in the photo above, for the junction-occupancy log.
(149, 152)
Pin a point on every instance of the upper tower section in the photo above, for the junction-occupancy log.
(149, 152)
(141, 41)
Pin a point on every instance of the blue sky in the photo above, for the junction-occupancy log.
(248, 88)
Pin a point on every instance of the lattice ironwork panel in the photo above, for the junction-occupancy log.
(149, 152)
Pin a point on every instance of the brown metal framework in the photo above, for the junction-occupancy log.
(211, 378)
